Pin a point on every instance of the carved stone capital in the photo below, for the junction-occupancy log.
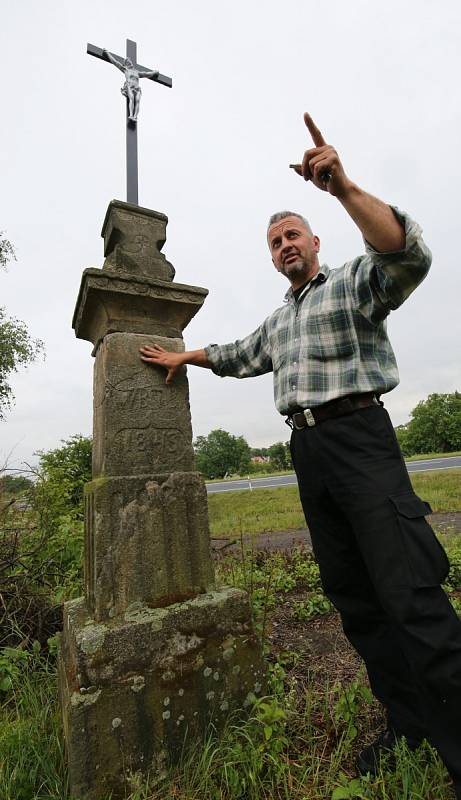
(111, 302)
(133, 238)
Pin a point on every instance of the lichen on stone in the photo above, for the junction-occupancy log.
(78, 699)
(138, 612)
(91, 639)
(250, 699)
(138, 683)
(228, 654)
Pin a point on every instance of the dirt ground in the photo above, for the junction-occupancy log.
(319, 643)
(286, 540)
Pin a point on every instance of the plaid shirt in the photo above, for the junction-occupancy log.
(332, 340)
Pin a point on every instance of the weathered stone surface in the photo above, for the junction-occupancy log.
(153, 653)
(133, 238)
(136, 689)
(140, 424)
(110, 302)
(146, 540)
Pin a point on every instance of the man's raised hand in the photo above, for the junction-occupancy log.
(321, 164)
(170, 361)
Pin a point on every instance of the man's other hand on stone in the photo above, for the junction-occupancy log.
(155, 354)
(172, 361)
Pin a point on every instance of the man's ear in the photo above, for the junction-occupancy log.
(316, 242)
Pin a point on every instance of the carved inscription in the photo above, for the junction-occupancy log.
(136, 245)
(147, 399)
(153, 448)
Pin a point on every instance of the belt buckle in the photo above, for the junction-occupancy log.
(310, 419)
(295, 426)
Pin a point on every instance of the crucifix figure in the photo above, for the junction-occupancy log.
(131, 88)
(132, 91)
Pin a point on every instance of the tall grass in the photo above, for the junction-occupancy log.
(32, 762)
(290, 748)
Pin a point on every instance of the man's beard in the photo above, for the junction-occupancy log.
(295, 269)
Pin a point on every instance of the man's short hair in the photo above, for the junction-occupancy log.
(279, 215)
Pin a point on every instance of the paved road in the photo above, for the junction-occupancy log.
(288, 480)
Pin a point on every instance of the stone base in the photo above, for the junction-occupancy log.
(137, 689)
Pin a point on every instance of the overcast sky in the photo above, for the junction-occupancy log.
(380, 79)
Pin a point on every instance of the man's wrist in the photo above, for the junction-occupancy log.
(349, 192)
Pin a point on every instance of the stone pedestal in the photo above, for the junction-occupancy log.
(153, 653)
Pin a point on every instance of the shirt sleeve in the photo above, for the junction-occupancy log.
(244, 358)
(381, 282)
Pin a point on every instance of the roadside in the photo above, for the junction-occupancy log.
(281, 473)
(446, 523)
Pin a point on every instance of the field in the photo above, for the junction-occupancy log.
(300, 741)
(263, 510)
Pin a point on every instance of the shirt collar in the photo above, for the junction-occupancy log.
(320, 277)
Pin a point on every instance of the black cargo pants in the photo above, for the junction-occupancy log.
(381, 566)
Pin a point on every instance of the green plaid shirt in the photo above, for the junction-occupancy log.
(332, 341)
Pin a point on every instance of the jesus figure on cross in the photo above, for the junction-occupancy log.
(131, 88)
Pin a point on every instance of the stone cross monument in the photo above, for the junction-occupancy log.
(153, 652)
(132, 91)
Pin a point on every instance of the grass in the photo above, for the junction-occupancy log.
(266, 510)
(442, 489)
(299, 742)
(255, 512)
(32, 761)
(424, 456)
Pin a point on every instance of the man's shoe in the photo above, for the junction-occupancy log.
(368, 759)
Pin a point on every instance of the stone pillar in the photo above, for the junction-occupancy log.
(153, 652)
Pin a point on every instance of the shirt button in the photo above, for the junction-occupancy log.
(294, 388)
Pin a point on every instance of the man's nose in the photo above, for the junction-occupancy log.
(286, 245)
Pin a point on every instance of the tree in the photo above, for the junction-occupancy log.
(220, 452)
(280, 455)
(435, 426)
(401, 432)
(63, 473)
(13, 484)
(6, 251)
(17, 348)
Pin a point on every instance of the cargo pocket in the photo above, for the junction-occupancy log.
(427, 560)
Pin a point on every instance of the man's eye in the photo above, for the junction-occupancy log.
(275, 243)
(292, 235)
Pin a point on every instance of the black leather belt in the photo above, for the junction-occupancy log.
(309, 417)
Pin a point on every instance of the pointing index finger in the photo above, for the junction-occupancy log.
(317, 137)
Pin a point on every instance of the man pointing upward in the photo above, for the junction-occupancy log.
(380, 562)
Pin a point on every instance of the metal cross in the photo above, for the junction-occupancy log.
(133, 71)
